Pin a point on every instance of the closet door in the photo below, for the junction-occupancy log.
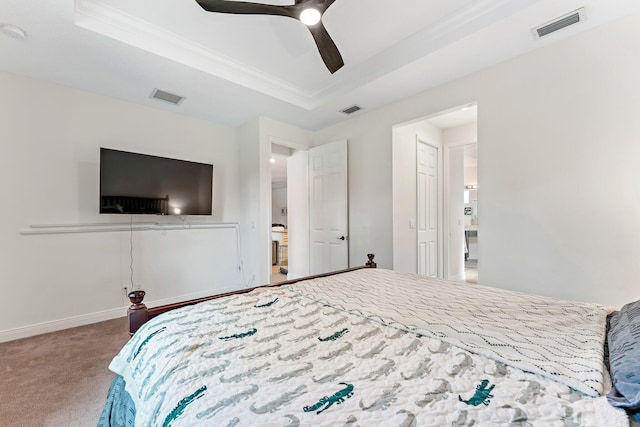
(427, 209)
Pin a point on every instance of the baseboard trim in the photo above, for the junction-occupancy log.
(60, 324)
(99, 316)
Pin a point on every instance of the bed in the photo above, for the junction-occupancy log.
(376, 347)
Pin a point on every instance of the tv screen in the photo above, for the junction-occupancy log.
(132, 183)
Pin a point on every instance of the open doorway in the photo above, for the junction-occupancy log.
(279, 214)
(308, 204)
(453, 239)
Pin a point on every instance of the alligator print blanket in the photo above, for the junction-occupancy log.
(371, 347)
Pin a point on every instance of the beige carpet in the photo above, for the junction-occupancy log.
(59, 379)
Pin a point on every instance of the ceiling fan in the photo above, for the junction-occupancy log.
(308, 12)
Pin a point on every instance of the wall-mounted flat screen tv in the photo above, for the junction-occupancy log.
(132, 183)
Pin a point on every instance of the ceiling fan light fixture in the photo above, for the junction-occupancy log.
(310, 16)
(309, 12)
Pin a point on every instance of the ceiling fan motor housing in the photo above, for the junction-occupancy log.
(326, 46)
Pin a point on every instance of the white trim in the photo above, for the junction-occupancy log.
(60, 324)
(98, 316)
(122, 226)
(288, 144)
(294, 146)
(446, 224)
(99, 17)
(447, 207)
(109, 21)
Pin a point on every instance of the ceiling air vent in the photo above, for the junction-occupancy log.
(166, 96)
(351, 110)
(559, 23)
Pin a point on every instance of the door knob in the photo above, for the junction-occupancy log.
(342, 238)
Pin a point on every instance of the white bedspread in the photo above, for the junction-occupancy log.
(560, 340)
(336, 352)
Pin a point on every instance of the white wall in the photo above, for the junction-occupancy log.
(562, 192)
(558, 165)
(49, 174)
(558, 160)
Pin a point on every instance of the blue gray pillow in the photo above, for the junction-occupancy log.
(624, 358)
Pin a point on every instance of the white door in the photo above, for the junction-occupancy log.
(328, 209)
(427, 207)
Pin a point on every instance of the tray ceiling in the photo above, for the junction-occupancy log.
(231, 68)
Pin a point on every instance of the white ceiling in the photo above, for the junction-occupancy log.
(233, 68)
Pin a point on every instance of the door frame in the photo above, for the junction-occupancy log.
(447, 205)
(266, 251)
(403, 181)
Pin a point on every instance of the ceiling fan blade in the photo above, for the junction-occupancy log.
(245, 8)
(327, 48)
